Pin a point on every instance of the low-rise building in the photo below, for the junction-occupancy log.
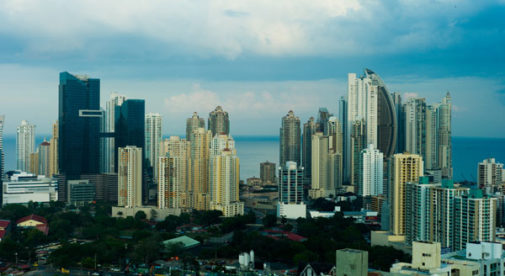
(351, 262)
(5, 227)
(33, 221)
(23, 187)
(479, 258)
(426, 260)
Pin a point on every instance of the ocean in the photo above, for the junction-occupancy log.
(252, 150)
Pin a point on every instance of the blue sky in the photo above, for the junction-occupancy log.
(256, 58)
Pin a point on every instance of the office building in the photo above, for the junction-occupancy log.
(490, 174)
(44, 158)
(53, 152)
(79, 125)
(180, 151)
(112, 115)
(219, 122)
(291, 199)
(23, 187)
(199, 156)
(309, 129)
(371, 172)
(351, 262)
(192, 124)
(130, 177)
(105, 186)
(153, 141)
(25, 145)
(474, 218)
(80, 192)
(406, 168)
(267, 173)
(290, 136)
(224, 176)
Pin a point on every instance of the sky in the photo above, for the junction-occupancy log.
(258, 59)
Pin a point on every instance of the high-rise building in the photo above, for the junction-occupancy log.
(219, 122)
(431, 138)
(25, 145)
(342, 118)
(474, 218)
(357, 144)
(322, 120)
(112, 114)
(44, 158)
(2, 154)
(400, 118)
(290, 139)
(320, 184)
(415, 126)
(33, 166)
(267, 173)
(193, 123)
(53, 152)
(291, 199)
(199, 188)
(168, 190)
(309, 128)
(130, 176)
(371, 172)
(489, 174)
(335, 135)
(153, 140)
(224, 176)
(444, 136)
(79, 125)
(406, 168)
(179, 151)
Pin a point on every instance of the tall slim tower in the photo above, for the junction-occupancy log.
(342, 117)
(406, 168)
(371, 172)
(130, 176)
(444, 136)
(112, 113)
(309, 128)
(193, 123)
(290, 183)
(179, 150)
(415, 126)
(290, 139)
(44, 158)
(79, 125)
(320, 167)
(357, 143)
(25, 145)
(219, 122)
(199, 188)
(153, 140)
(53, 151)
(168, 188)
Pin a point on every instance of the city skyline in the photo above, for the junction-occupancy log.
(268, 68)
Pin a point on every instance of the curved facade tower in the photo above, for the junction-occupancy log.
(387, 124)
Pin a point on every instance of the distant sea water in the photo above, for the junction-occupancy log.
(252, 150)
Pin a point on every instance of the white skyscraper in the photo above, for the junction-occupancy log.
(130, 177)
(362, 104)
(25, 145)
(111, 117)
(153, 141)
(371, 172)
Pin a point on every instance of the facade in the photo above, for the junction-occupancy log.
(199, 156)
(351, 262)
(342, 118)
(489, 174)
(112, 113)
(180, 151)
(358, 142)
(105, 186)
(168, 190)
(445, 136)
(219, 122)
(224, 176)
(25, 145)
(291, 204)
(406, 168)
(474, 218)
(44, 158)
(320, 172)
(22, 188)
(79, 125)
(371, 172)
(130, 177)
(479, 258)
(290, 139)
(80, 192)
(192, 124)
(426, 260)
(153, 141)
(53, 152)
(309, 129)
(267, 173)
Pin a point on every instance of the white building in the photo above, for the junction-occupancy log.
(291, 204)
(371, 172)
(153, 140)
(489, 173)
(130, 176)
(111, 116)
(22, 188)
(25, 145)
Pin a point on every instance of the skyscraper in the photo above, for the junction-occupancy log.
(153, 140)
(130, 176)
(323, 116)
(79, 125)
(168, 190)
(25, 145)
(309, 128)
(342, 117)
(179, 150)
(44, 158)
(444, 136)
(224, 176)
(489, 174)
(371, 172)
(400, 118)
(415, 126)
(112, 114)
(320, 183)
(291, 199)
(431, 138)
(290, 139)
(53, 151)
(219, 122)
(199, 188)
(357, 144)
(267, 173)
(406, 168)
(193, 123)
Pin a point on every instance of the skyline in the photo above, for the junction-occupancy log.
(254, 63)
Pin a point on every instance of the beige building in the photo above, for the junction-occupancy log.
(180, 151)
(352, 262)
(406, 168)
(168, 190)
(426, 260)
(130, 176)
(199, 188)
(53, 151)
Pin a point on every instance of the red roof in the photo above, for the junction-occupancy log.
(32, 217)
(2, 234)
(4, 223)
(44, 228)
(276, 234)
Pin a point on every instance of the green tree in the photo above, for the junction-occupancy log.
(270, 220)
(140, 215)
